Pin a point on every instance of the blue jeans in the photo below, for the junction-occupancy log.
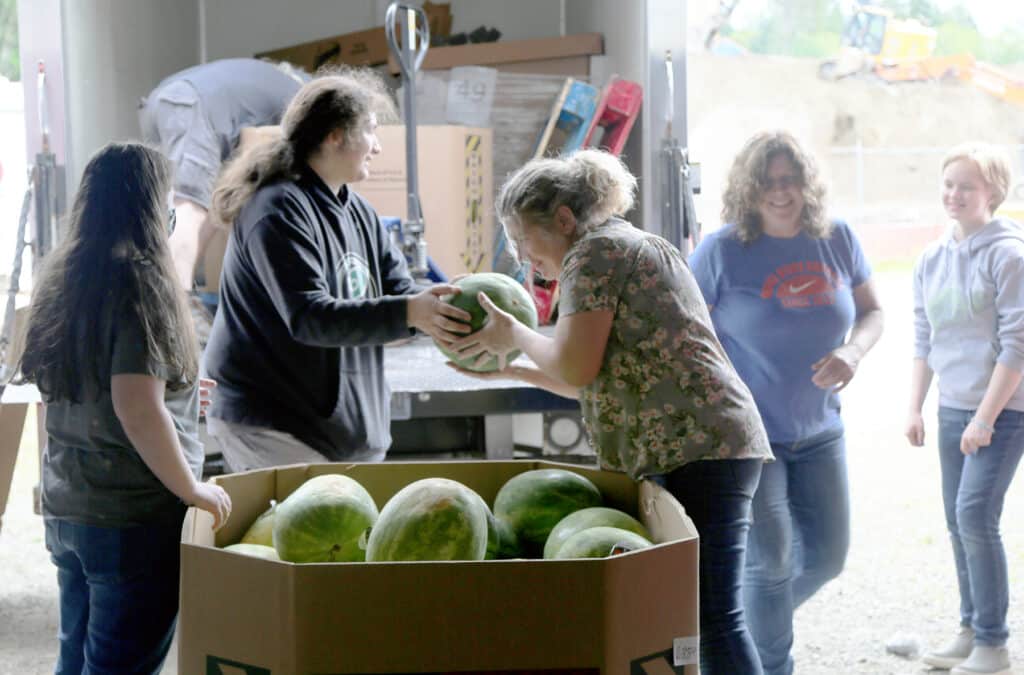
(799, 540)
(118, 595)
(716, 495)
(973, 489)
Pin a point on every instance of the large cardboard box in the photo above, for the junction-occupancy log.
(360, 48)
(567, 55)
(456, 191)
(12, 412)
(632, 613)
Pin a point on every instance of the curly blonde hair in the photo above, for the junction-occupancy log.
(593, 184)
(748, 176)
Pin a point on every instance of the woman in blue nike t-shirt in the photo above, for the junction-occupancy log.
(793, 304)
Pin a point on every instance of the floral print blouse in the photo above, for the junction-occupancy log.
(666, 393)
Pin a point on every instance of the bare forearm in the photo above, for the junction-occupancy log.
(1001, 385)
(541, 349)
(534, 376)
(153, 436)
(190, 234)
(867, 330)
(920, 380)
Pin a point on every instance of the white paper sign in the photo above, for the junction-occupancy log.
(431, 97)
(685, 651)
(471, 95)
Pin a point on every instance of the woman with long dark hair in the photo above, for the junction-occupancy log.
(110, 345)
(312, 288)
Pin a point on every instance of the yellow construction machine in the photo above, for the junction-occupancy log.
(875, 42)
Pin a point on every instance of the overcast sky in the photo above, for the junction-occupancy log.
(992, 15)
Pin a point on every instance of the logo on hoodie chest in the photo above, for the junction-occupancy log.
(355, 277)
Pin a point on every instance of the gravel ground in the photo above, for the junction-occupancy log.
(899, 578)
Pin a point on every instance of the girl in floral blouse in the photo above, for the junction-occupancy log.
(634, 343)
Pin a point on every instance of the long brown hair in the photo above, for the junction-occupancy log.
(114, 259)
(342, 99)
(746, 185)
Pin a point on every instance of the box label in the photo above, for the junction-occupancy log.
(685, 651)
(471, 95)
(218, 666)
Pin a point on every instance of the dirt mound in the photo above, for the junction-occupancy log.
(903, 129)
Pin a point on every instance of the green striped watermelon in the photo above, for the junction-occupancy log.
(601, 542)
(262, 529)
(505, 292)
(323, 521)
(533, 502)
(586, 518)
(502, 543)
(430, 519)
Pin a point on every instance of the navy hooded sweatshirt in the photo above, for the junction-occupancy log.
(311, 289)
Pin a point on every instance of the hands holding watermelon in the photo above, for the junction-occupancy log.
(428, 313)
(496, 339)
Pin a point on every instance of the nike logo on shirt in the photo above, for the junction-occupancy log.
(801, 287)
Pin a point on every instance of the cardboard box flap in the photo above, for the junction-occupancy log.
(644, 621)
(236, 609)
(251, 493)
(662, 515)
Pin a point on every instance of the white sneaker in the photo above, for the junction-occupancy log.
(953, 653)
(985, 661)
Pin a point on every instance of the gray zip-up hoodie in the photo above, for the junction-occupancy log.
(969, 311)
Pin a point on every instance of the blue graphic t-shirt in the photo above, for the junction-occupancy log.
(778, 306)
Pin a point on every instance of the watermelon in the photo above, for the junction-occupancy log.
(323, 521)
(262, 529)
(430, 519)
(255, 550)
(533, 502)
(601, 542)
(502, 543)
(505, 292)
(586, 518)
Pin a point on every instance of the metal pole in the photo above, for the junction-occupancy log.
(407, 21)
(402, 19)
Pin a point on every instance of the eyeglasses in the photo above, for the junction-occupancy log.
(172, 219)
(781, 183)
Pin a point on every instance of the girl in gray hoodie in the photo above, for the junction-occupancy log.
(969, 329)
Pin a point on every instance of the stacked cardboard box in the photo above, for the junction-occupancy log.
(456, 191)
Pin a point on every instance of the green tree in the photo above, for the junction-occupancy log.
(957, 38)
(1007, 47)
(924, 11)
(10, 63)
(809, 28)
